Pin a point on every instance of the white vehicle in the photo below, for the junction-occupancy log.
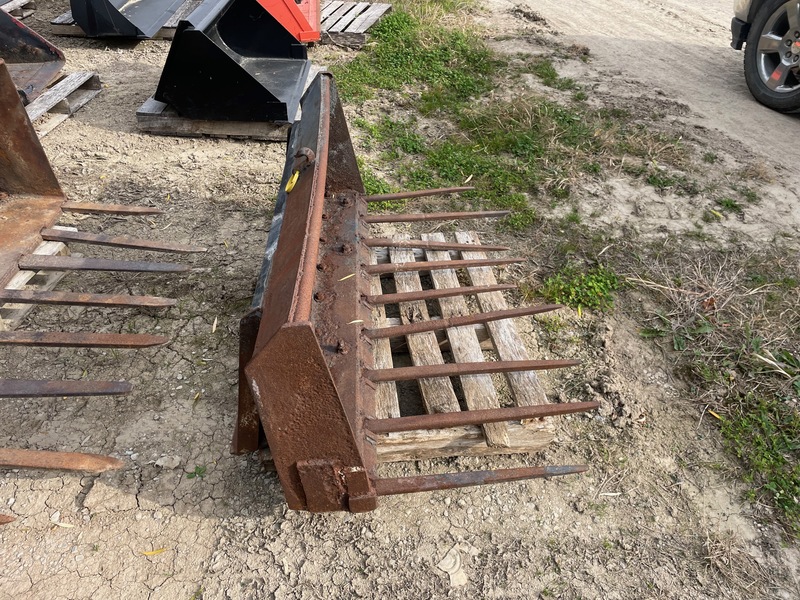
(770, 32)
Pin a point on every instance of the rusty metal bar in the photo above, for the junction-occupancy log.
(429, 265)
(441, 216)
(417, 194)
(434, 294)
(475, 368)
(113, 209)
(43, 388)
(81, 299)
(120, 241)
(35, 262)
(427, 245)
(69, 461)
(422, 326)
(476, 417)
(447, 481)
(60, 339)
(6, 519)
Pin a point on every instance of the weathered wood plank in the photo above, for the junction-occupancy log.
(65, 97)
(348, 18)
(337, 14)
(437, 393)
(368, 18)
(329, 8)
(386, 400)
(526, 387)
(479, 391)
(161, 119)
(461, 441)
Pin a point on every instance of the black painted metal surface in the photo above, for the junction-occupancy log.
(231, 60)
(139, 19)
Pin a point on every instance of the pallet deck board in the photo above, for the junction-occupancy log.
(515, 436)
(62, 100)
(19, 9)
(479, 391)
(161, 119)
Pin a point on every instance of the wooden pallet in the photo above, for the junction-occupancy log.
(62, 99)
(12, 315)
(161, 119)
(64, 24)
(465, 344)
(346, 23)
(19, 9)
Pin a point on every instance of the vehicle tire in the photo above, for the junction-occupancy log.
(772, 55)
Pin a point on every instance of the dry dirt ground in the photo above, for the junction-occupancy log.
(658, 515)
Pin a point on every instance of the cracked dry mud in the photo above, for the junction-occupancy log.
(657, 516)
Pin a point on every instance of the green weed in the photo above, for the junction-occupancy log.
(199, 472)
(593, 289)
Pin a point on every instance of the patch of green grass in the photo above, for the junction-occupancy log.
(709, 157)
(544, 70)
(452, 66)
(764, 432)
(730, 205)
(679, 183)
(593, 289)
(373, 185)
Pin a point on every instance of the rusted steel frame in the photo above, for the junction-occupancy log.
(437, 293)
(81, 299)
(6, 519)
(120, 241)
(440, 216)
(495, 315)
(438, 264)
(476, 417)
(112, 209)
(454, 369)
(427, 245)
(68, 461)
(31, 195)
(248, 431)
(35, 262)
(447, 481)
(60, 339)
(319, 459)
(44, 388)
(417, 194)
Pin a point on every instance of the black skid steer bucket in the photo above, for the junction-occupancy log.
(32, 61)
(139, 19)
(231, 60)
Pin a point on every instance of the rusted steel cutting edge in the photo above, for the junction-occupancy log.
(442, 216)
(79, 299)
(438, 265)
(448, 481)
(426, 245)
(417, 194)
(474, 368)
(43, 388)
(35, 262)
(6, 519)
(476, 417)
(68, 461)
(494, 315)
(433, 294)
(80, 340)
(120, 241)
(114, 209)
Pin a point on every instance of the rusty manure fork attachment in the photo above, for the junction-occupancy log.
(31, 203)
(319, 345)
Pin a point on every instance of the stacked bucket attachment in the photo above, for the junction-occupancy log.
(31, 203)
(316, 360)
(32, 61)
(233, 60)
(140, 19)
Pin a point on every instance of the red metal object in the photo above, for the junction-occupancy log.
(309, 366)
(300, 19)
